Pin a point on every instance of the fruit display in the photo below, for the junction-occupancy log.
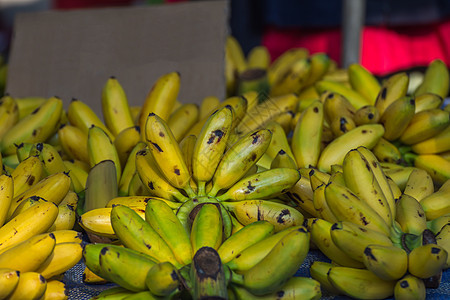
(226, 198)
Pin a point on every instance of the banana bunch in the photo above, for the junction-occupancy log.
(172, 260)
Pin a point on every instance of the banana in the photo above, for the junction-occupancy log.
(23, 150)
(437, 166)
(129, 169)
(253, 79)
(66, 218)
(282, 63)
(207, 228)
(115, 107)
(434, 145)
(355, 98)
(139, 201)
(360, 283)
(238, 159)
(387, 262)
(67, 236)
(294, 288)
(35, 220)
(231, 73)
(293, 80)
(426, 260)
(399, 174)
(32, 285)
(283, 160)
(279, 141)
(360, 179)
(410, 215)
(302, 194)
(364, 82)
(424, 125)
(397, 117)
(162, 279)
(319, 272)
(81, 115)
(419, 184)
(101, 147)
(6, 196)
(90, 277)
(9, 114)
(428, 101)
(320, 204)
(27, 105)
(365, 135)
(166, 223)
(342, 125)
(9, 278)
(336, 106)
(320, 64)
(258, 58)
(135, 233)
(63, 257)
(253, 254)
(55, 290)
(442, 240)
(266, 111)
(125, 141)
(36, 127)
(367, 114)
(166, 152)
(279, 265)
(78, 176)
(410, 288)
(268, 183)
(353, 239)
(307, 135)
(30, 254)
(279, 214)
(25, 204)
(386, 151)
(233, 47)
(436, 79)
(207, 106)
(436, 205)
(129, 271)
(152, 178)
(393, 88)
(182, 119)
(101, 185)
(210, 146)
(161, 98)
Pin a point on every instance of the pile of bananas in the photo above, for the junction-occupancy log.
(225, 198)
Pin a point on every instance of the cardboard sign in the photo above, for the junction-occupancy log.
(71, 54)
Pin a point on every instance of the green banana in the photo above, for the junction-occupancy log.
(207, 228)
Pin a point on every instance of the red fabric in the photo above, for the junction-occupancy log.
(384, 50)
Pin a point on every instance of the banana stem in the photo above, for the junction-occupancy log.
(190, 192)
(201, 188)
(214, 190)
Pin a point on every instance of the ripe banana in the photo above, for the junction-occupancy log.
(397, 116)
(67, 236)
(436, 79)
(367, 114)
(162, 279)
(258, 57)
(233, 47)
(410, 215)
(129, 169)
(436, 144)
(125, 141)
(282, 63)
(393, 88)
(182, 119)
(6, 196)
(9, 278)
(427, 260)
(387, 262)
(419, 184)
(436, 204)
(365, 135)
(101, 185)
(283, 160)
(32, 285)
(9, 114)
(364, 82)
(320, 204)
(66, 218)
(166, 223)
(115, 107)
(264, 184)
(428, 101)
(307, 135)
(386, 151)
(207, 106)
(55, 290)
(410, 288)
(210, 146)
(360, 283)
(437, 166)
(294, 78)
(279, 141)
(320, 64)
(161, 98)
(63, 257)
(238, 159)
(336, 106)
(355, 98)
(319, 271)
(36, 127)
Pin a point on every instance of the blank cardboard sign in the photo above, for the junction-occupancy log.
(71, 54)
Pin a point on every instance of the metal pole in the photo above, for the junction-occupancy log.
(353, 17)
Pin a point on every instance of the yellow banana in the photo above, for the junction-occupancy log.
(396, 117)
(319, 271)
(320, 64)
(125, 141)
(393, 88)
(25, 204)
(55, 290)
(9, 114)
(163, 279)
(283, 62)
(386, 151)
(129, 169)
(355, 98)
(307, 135)
(410, 215)
(283, 160)
(9, 278)
(74, 142)
(387, 262)
(233, 47)
(258, 58)
(425, 125)
(365, 135)
(410, 287)
(66, 218)
(428, 101)
(182, 119)
(436, 79)
(279, 141)
(207, 106)
(6, 196)
(81, 115)
(67, 236)
(437, 166)
(427, 260)
(293, 80)
(36, 127)
(210, 146)
(101, 185)
(115, 107)
(320, 204)
(161, 98)
(436, 205)
(77, 174)
(30, 254)
(32, 285)
(238, 159)
(419, 184)
(437, 144)
(360, 283)
(28, 104)
(367, 114)
(342, 125)
(364, 82)
(280, 215)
